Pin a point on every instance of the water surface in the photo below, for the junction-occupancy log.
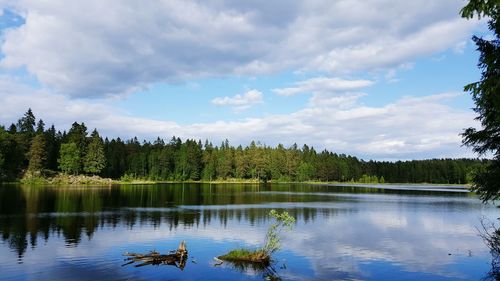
(341, 233)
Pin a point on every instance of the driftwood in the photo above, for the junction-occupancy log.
(175, 258)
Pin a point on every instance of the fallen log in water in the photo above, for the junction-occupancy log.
(176, 258)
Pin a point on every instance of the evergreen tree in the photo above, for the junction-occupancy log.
(209, 161)
(241, 162)
(190, 160)
(486, 96)
(40, 127)
(24, 134)
(77, 134)
(69, 160)
(13, 154)
(2, 169)
(94, 160)
(225, 161)
(52, 146)
(116, 158)
(12, 129)
(37, 154)
(27, 123)
(3, 147)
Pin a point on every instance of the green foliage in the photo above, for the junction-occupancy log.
(273, 236)
(243, 254)
(70, 160)
(26, 124)
(33, 180)
(271, 245)
(37, 154)
(486, 181)
(3, 138)
(486, 96)
(481, 8)
(191, 161)
(128, 178)
(94, 160)
(52, 147)
(371, 179)
(305, 171)
(40, 127)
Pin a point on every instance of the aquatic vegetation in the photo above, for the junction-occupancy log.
(271, 245)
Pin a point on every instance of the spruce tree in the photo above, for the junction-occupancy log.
(486, 96)
(27, 123)
(94, 160)
(40, 127)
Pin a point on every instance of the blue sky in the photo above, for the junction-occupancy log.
(379, 79)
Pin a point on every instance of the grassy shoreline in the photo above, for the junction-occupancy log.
(64, 179)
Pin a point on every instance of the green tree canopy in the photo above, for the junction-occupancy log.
(3, 147)
(486, 96)
(27, 123)
(69, 160)
(37, 154)
(94, 160)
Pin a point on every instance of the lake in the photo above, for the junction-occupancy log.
(341, 233)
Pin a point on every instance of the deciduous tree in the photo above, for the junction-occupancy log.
(69, 160)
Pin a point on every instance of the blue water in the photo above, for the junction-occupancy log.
(341, 233)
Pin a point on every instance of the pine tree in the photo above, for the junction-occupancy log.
(94, 160)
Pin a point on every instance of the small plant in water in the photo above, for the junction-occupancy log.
(273, 236)
(271, 245)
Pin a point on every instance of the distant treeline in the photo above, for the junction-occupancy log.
(27, 148)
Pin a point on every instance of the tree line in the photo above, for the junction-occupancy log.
(27, 147)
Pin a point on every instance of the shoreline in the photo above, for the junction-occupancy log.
(82, 180)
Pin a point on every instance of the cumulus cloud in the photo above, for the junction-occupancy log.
(95, 48)
(409, 128)
(240, 102)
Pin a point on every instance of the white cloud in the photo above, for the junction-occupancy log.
(460, 47)
(240, 102)
(409, 128)
(323, 85)
(95, 48)
(389, 50)
(343, 102)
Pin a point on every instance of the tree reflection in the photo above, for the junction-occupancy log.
(28, 213)
(491, 236)
(267, 272)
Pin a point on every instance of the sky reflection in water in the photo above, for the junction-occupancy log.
(350, 233)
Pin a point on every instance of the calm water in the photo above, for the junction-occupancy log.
(342, 233)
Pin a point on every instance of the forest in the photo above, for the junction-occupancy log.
(28, 148)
